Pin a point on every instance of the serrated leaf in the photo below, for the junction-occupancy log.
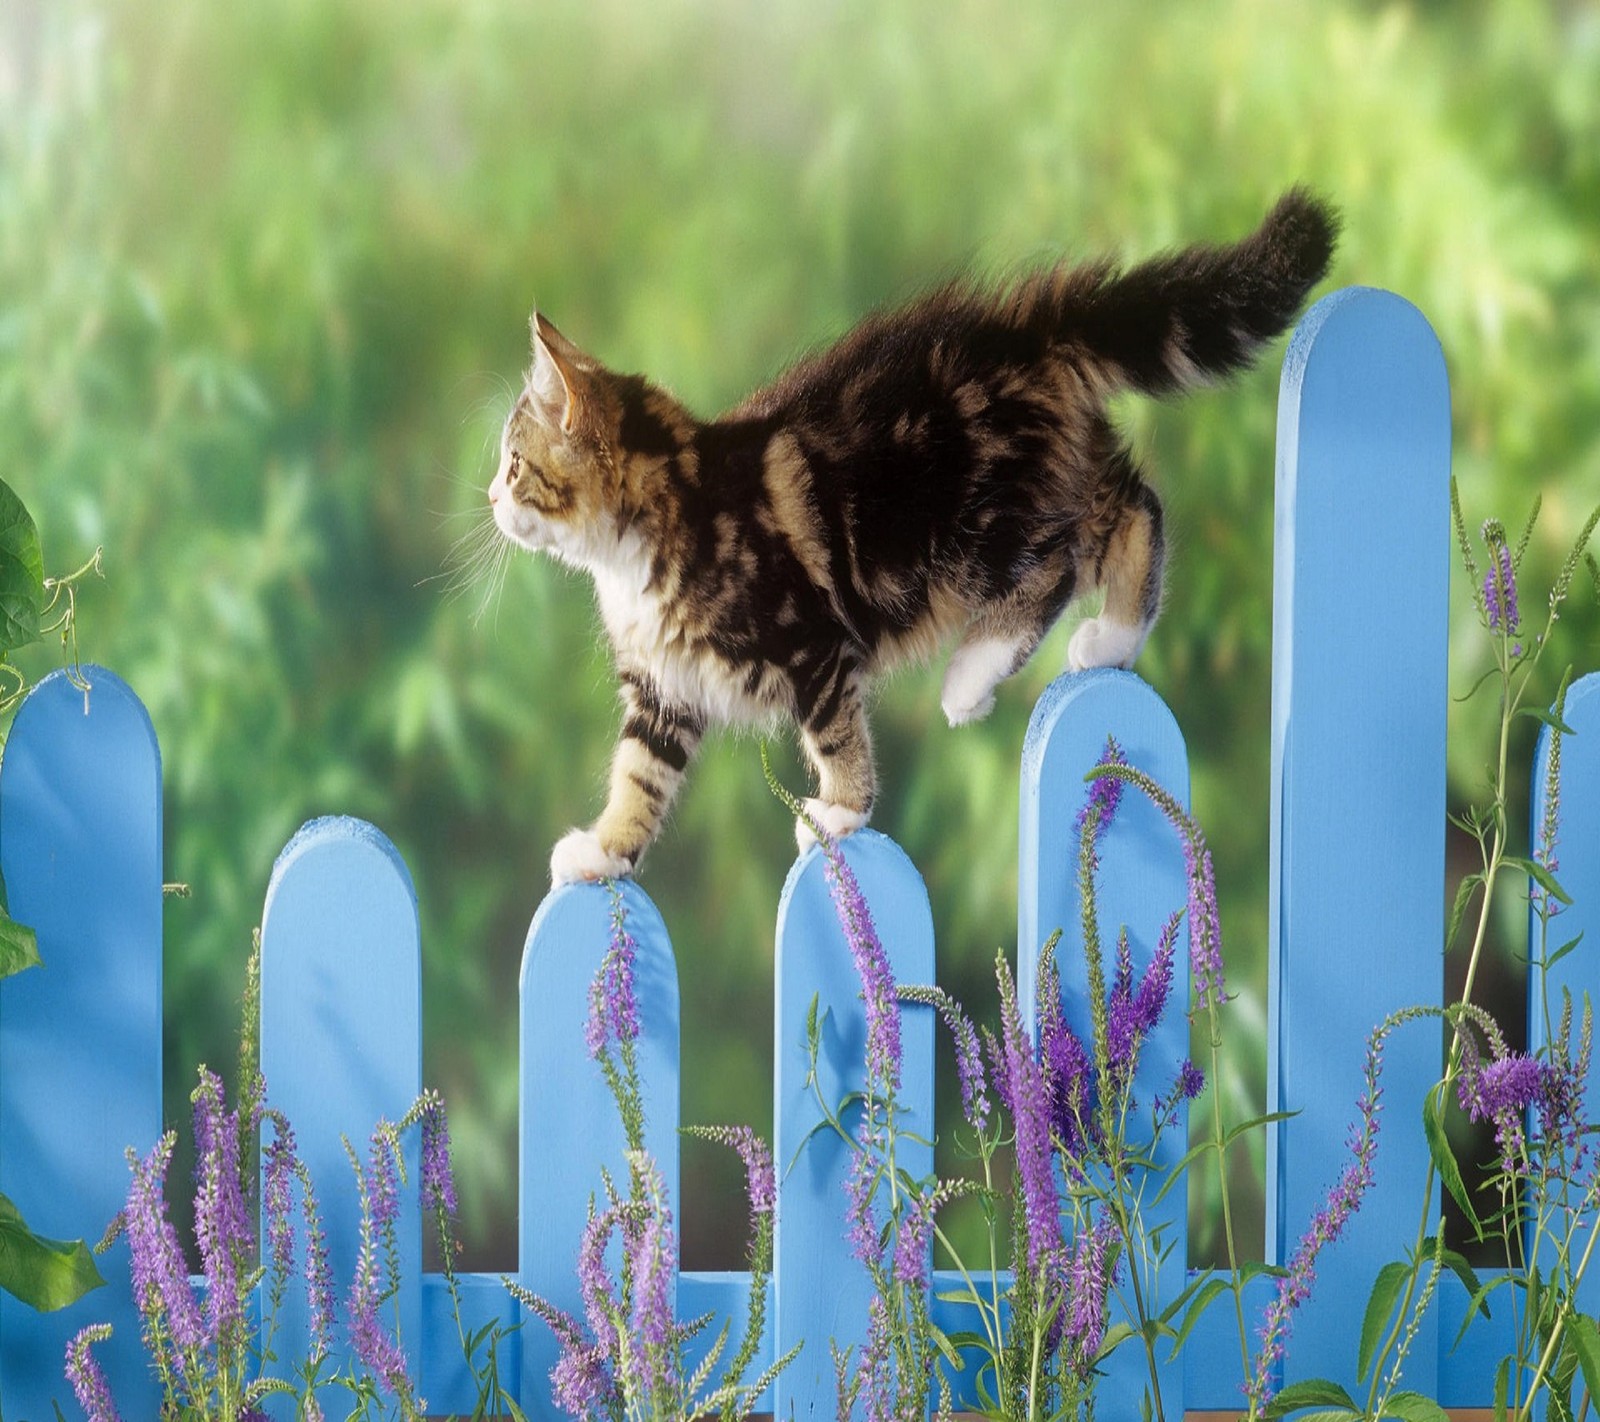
(1115, 1337)
(1310, 1392)
(21, 574)
(1444, 1160)
(45, 1274)
(1502, 1385)
(1458, 910)
(1414, 1407)
(1386, 1289)
(1586, 1344)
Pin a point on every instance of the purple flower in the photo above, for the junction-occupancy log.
(1329, 1222)
(581, 1382)
(221, 1222)
(1068, 1070)
(655, 1267)
(1025, 1090)
(1105, 792)
(877, 981)
(761, 1186)
(160, 1277)
(613, 1007)
(1088, 1282)
(969, 1058)
(594, 1282)
(861, 1221)
(377, 1348)
(88, 1382)
(278, 1172)
(912, 1254)
(438, 1179)
(1500, 583)
(1187, 1085)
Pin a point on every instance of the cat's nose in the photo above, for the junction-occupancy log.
(494, 492)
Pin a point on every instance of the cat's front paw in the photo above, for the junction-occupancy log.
(1100, 642)
(579, 858)
(837, 820)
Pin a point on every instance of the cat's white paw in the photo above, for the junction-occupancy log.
(578, 858)
(1100, 642)
(974, 670)
(837, 820)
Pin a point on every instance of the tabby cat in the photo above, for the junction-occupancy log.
(946, 470)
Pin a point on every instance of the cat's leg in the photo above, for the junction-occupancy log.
(838, 743)
(1002, 637)
(657, 742)
(1130, 571)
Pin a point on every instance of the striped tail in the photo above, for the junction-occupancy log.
(1200, 313)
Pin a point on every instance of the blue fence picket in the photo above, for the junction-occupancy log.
(80, 1038)
(1360, 621)
(341, 1042)
(820, 1291)
(1142, 882)
(569, 1122)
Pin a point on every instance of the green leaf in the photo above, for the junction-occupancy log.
(19, 946)
(1458, 910)
(1502, 1386)
(1414, 1407)
(1540, 875)
(1202, 1302)
(45, 1274)
(1386, 1289)
(1586, 1343)
(1558, 954)
(21, 574)
(1445, 1162)
(1115, 1337)
(1539, 713)
(1311, 1392)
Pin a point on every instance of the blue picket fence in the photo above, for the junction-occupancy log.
(1358, 810)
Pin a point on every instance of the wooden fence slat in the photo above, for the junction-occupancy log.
(568, 1121)
(1141, 883)
(820, 1290)
(80, 1038)
(1360, 626)
(341, 1043)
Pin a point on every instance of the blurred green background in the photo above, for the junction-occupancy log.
(265, 275)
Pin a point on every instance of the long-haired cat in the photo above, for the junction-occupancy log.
(945, 470)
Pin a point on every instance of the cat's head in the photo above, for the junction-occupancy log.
(559, 486)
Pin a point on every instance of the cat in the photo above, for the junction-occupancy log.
(944, 471)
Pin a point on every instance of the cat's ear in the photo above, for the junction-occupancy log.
(553, 379)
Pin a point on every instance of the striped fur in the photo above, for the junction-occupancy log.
(945, 471)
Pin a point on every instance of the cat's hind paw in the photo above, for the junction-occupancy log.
(1100, 642)
(837, 820)
(579, 858)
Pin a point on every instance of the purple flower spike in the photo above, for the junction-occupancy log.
(1088, 1284)
(221, 1222)
(1105, 791)
(1500, 590)
(1028, 1094)
(613, 1007)
(655, 1266)
(88, 1382)
(877, 981)
(160, 1276)
(438, 1178)
(1328, 1223)
(278, 1173)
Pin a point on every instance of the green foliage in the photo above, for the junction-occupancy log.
(266, 274)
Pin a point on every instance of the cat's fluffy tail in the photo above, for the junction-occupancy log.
(1200, 313)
